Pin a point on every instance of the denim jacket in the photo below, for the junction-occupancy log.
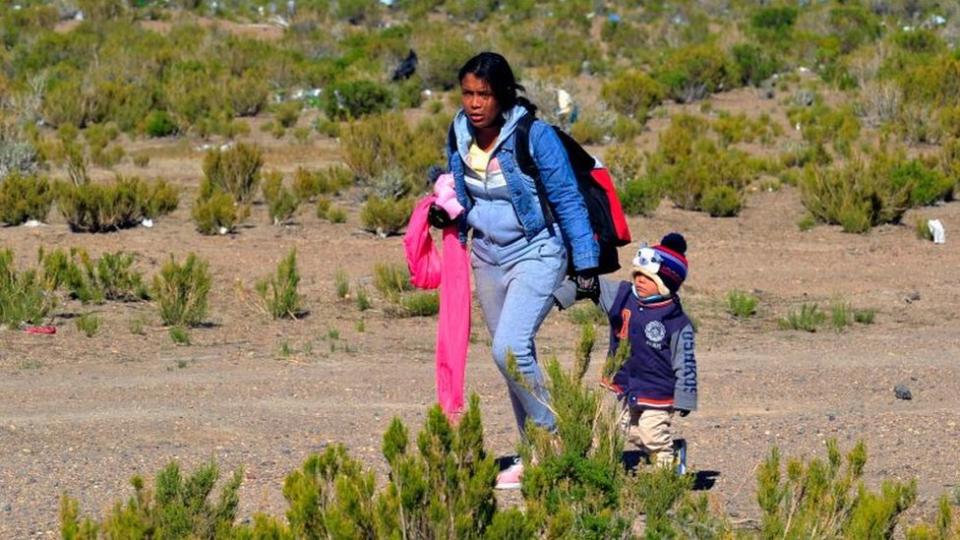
(557, 177)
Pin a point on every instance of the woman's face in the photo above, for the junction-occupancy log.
(478, 101)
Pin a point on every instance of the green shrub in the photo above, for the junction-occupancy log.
(308, 184)
(442, 51)
(215, 214)
(821, 125)
(856, 196)
(809, 318)
(624, 161)
(928, 184)
(279, 292)
(721, 201)
(853, 25)
(336, 214)
(632, 93)
(141, 159)
(420, 304)
(828, 497)
(356, 99)
(589, 130)
(341, 284)
(363, 299)
(287, 113)
(741, 304)
(377, 143)
(23, 198)
(689, 164)
(641, 196)
(111, 277)
(121, 204)
(23, 297)
(841, 315)
(281, 202)
(159, 198)
(864, 316)
(159, 124)
(773, 24)
(88, 323)
(178, 506)
(589, 313)
(754, 63)
(807, 222)
(692, 73)
(385, 217)
(391, 279)
(181, 291)
(235, 170)
(179, 335)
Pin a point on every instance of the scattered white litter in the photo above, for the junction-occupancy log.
(32, 223)
(223, 230)
(937, 230)
(803, 69)
(564, 101)
(146, 222)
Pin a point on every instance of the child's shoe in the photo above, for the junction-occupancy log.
(680, 449)
(510, 477)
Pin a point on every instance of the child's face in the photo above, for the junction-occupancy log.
(644, 285)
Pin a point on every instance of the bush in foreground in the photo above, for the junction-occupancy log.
(441, 486)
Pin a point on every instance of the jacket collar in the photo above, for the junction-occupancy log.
(464, 131)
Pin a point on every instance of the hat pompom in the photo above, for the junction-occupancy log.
(675, 242)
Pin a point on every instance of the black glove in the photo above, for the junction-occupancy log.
(438, 217)
(588, 285)
(683, 413)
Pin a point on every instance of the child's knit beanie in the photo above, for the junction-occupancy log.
(664, 263)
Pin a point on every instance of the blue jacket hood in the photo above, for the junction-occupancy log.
(464, 131)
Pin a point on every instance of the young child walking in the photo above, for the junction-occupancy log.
(659, 377)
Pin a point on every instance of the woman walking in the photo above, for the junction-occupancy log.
(519, 255)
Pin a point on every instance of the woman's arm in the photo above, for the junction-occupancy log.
(564, 195)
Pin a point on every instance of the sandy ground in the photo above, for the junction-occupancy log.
(82, 415)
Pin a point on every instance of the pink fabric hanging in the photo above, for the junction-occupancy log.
(451, 272)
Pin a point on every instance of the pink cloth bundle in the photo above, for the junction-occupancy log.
(451, 273)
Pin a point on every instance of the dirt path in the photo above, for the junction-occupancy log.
(81, 415)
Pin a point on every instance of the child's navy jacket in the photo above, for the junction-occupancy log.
(661, 371)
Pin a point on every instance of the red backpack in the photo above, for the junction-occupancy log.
(607, 219)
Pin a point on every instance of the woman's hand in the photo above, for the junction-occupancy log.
(588, 285)
(438, 217)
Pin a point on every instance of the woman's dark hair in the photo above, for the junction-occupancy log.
(494, 69)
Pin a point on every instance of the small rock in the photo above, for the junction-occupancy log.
(912, 297)
(831, 417)
(7, 507)
(902, 392)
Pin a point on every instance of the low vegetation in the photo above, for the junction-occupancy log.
(442, 486)
(181, 291)
(23, 297)
(279, 292)
(125, 202)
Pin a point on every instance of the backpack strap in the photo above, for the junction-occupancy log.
(521, 146)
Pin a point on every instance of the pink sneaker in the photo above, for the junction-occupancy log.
(510, 477)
